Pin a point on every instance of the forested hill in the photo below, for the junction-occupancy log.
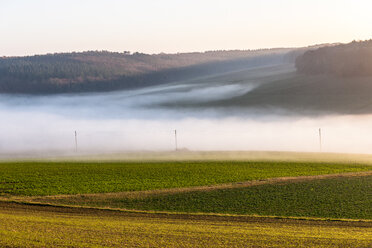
(346, 60)
(107, 71)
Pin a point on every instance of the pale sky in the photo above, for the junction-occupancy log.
(30, 27)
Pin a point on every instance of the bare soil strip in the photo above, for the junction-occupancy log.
(33, 208)
(142, 194)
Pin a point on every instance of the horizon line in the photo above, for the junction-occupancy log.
(128, 52)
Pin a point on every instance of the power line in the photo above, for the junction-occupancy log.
(75, 141)
(320, 140)
(175, 139)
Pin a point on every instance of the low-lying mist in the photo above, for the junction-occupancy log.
(33, 131)
(126, 122)
(135, 121)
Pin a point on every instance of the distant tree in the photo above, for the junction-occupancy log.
(353, 59)
(103, 70)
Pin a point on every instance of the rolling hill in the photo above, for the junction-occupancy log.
(345, 60)
(336, 79)
(107, 71)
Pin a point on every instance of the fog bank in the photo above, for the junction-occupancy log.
(135, 121)
(25, 131)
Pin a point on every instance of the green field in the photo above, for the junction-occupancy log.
(342, 198)
(201, 202)
(36, 226)
(53, 178)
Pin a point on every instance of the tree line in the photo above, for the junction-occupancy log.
(102, 70)
(345, 60)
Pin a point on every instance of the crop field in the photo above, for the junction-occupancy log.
(340, 197)
(37, 226)
(54, 178)
(185, 203)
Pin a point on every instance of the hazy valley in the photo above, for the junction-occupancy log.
(264, 106)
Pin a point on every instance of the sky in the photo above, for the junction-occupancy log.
(170, 26)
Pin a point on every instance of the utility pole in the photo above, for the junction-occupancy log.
(320, 140)
(76, 145)
(175, 139)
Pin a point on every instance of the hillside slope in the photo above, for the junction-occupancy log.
(290, 92)
(336, 79)
(106, 71)
(345, 60)
(311, 94)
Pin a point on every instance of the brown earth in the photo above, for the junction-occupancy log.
(34, 208)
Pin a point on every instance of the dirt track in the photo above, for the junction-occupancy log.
(17, 207)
